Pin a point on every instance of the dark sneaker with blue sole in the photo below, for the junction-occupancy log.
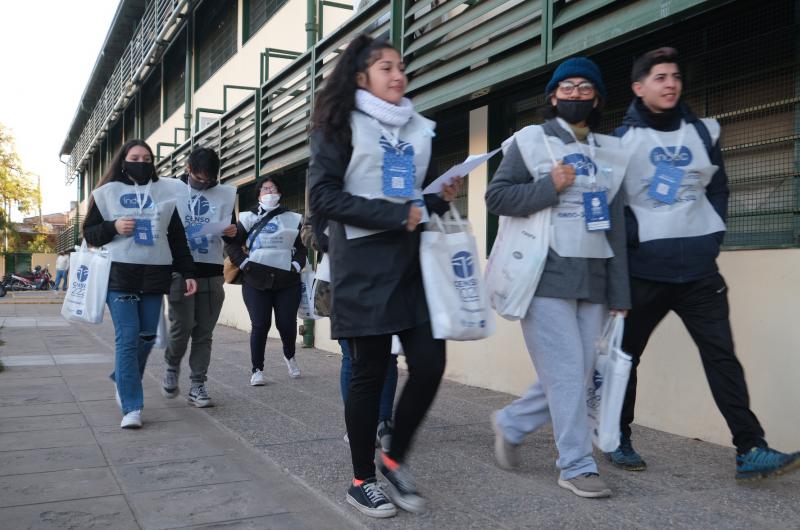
(626, 457)
(369, 499)
(763, 462)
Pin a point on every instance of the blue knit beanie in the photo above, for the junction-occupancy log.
(577, 67)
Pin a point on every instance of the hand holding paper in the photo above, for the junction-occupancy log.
(459, 170)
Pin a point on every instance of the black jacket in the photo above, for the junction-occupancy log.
(139, 278)
(376, 280)
(675, 260)
(260, 276)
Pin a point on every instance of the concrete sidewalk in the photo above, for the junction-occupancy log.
(273, 456)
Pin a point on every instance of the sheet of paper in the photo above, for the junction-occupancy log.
(213, 229)
(459, 170)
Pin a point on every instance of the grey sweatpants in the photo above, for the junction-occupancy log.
(560, 335)
(195, 317)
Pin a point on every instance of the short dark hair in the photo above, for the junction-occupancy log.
(204, 161)
(268, 179)
(645, 63)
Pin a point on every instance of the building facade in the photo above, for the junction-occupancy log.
(240, 76)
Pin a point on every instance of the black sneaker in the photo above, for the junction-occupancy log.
(369, 499)
(401, 488)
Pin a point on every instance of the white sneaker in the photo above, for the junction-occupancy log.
(294, 370)
(257, 379)
(132, 420)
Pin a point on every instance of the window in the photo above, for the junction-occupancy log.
(129, 120)
(214, 37)
(256, 14)
(175, 75)
(450, 146)
(151, 104)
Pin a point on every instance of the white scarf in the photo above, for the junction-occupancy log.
(383, 111)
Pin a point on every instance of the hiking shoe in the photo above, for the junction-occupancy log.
(383, 438)
(294, 370)
(369, 499)
(505, 452)
(198, 396)
(588, 485)
(401, 489)
(132, 420)
(257, 379)
(626, 457)
(762, 462)
(169, 384)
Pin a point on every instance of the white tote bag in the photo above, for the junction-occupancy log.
(606, 390)
(306, 309)
(85, 300)
(454, 289)
(516, 262)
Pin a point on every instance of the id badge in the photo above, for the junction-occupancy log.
(398, 173)
(143, 232)
(666, 183)
(595, 209)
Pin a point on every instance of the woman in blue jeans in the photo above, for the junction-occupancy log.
(132, 214)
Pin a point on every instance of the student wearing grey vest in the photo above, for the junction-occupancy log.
(200, 200)
(132, 214)
(370, 157)
(562, 165)
(676, 195)
(268, 250)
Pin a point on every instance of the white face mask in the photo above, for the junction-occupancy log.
(270, 200)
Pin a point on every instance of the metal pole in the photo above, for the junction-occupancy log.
(187, 74)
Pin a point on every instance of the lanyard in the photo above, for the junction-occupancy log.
(192, 200)
(592, 150)
(678, 147)
(393, 139)
(141, 200)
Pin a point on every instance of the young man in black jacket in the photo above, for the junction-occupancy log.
(676, 194)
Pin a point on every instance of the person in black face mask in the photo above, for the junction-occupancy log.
(134, 216)
(571, 175)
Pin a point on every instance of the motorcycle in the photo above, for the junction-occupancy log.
(38, 279)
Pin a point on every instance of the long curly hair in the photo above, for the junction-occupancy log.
(337, 99)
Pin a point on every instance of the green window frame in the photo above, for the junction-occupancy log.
(256, 13)
(215, 37)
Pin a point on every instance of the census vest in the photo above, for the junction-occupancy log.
(200, 207)
(364, 175)
(691, 214)
(117, 199)
(569, 237)
(274, 244)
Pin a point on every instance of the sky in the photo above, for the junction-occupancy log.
(47, 50)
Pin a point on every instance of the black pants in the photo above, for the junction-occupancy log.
(260, 305)
(702, 305)
(425, 357)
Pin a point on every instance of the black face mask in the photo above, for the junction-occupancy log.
(574, 110)
(140, 172)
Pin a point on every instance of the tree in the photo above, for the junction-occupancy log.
(16, 186)
(40, 244)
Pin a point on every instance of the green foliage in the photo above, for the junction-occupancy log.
(40, 244)
(16, 186)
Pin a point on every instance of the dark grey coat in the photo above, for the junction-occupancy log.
(513, 192)
(376, 280)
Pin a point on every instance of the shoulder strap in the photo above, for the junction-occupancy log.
(702, 130)
(261, 223)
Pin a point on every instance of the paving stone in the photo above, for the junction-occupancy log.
(178, 474)
(41, 423)
(56, 486)
(20, 411)
(55, 459)
(96, 513)
(46, 439)
(146, 451)
(310, 520)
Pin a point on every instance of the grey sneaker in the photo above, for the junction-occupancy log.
(383, 438)
(588, 485)
(169, 384)
(505, 452)
(257, 379)
(401, 488)
(198, 396)
(291, 365)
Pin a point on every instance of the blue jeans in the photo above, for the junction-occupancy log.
(389, 384)
(61, 274)
(135, 318)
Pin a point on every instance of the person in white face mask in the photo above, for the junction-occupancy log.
(268, 250)
(132, 214)
(562, 165)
